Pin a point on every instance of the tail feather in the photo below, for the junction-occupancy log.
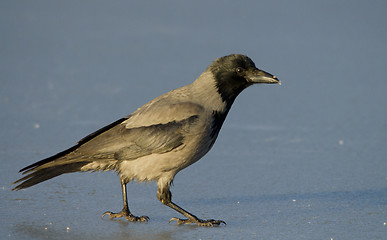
(49, 159)
(41, 173)
(66, 161)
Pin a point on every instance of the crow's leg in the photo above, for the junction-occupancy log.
(125, 212)
(165, 196)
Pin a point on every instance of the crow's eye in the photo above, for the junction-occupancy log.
(239, 70)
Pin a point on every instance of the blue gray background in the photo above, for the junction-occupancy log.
(305, 160)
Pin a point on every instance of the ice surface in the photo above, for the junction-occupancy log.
(305, 160)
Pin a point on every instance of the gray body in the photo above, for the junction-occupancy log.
(162, 137)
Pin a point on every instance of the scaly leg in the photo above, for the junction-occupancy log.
(165, 196)
(125, 212)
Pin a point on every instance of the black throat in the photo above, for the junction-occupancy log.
(217, 122)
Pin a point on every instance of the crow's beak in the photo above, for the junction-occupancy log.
(259, 76)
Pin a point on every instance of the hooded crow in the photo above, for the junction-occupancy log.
(161, 138)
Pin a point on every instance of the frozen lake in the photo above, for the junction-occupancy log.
(305, 160)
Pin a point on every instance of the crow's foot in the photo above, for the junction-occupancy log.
(127, 215)
(199, 222)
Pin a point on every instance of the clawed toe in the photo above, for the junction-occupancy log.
(137, 219)
(128, 216)
(199, 222)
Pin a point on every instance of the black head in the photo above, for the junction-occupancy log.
(235, 72)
